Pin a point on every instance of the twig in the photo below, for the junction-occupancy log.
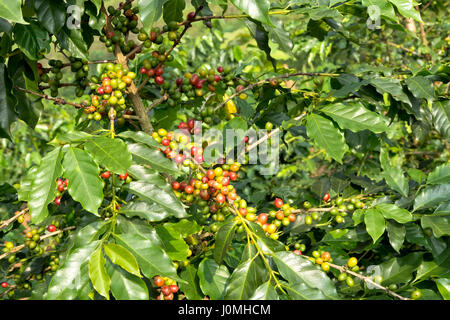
(18, 248)
(284, 76)
(6, 223)
(55, 100)
(157, 102)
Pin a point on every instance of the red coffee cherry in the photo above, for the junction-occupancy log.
(106, 175)
(51, 228)
(278, 203)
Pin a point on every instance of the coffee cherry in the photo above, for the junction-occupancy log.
(4, 284)
(191, 15)
(106, 175)
(278, 203)
(158, 281)
(174, 288)
(123, 176)
(51, 228)
(159, 80)
(326, 197)
(416, 294)
(166, 290)
(350, 281)
(352, 262)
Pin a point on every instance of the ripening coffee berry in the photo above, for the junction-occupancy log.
(352, 262)
(278, 203)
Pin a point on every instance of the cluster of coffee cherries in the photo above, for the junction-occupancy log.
(108, 91)
(124, 177)
(342, 206)
(61, 185)
(166, 286)
(123, 21)
(53, 75)
(299, 248)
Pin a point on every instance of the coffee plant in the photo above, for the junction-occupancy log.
(108, 193)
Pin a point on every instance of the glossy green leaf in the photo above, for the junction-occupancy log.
(148, 156)
(421, 87)
(125, 286)
(246, 278)
(441, 117)
(396, 233)
(223, 239)
(43, 187)
(213, 278)
(439, 225)
(112, 154)
(85, 185)
(62, 285)
(327, 136)
(441, 174)
(51, 14)
(407, 8)
(31, 39)
(299, 270)
(73, 41)
(25, 184)
(386, 9)
(399, 270)
(355, 117)
(141, 137)
(7, 102)
(191, 288)
(391, 211)
(394, 176)
(435, 268)
(150, 11)
(443, 286)
(122, 257)
(431, 196)
(256, 9)
(173, 242)
(265, 292)
(173, 10)
(97, 273)
(158, 191)
(375, 224)
(11, 10)
(152, 259)
(145, 210)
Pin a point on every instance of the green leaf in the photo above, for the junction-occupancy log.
(123, 258)
(173, 243)
(173, 10)
(113, 154)
(246, 278)
(152, 259)
(399, 270)
(12, 10)
(375, 224)
(435, 268)
(396, 233)
(150, 11)
(443, 286)
(43, 187)
(213, 278)
(440, 174)
(158, 191)
(85, 185)
(439, 225)
(431, 196)
(406, 9)
(7, 102)
(223, 240)
(154, 158)
(441, 117)
(326, 136)
(299, 270)
(421, 87)
(51, 14)
(140, 136)
(73, 41)
(265, 292)
(125, 286)
(31, 39)
(394, 176)
(145, 210)
(256, 9)
(97, 273)
(416, 175)
(62, 285)
(355, 117)
(391, 211)
(391, 86)
(262, 39)
(191, 288)
(25, 184)
(386, 9)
